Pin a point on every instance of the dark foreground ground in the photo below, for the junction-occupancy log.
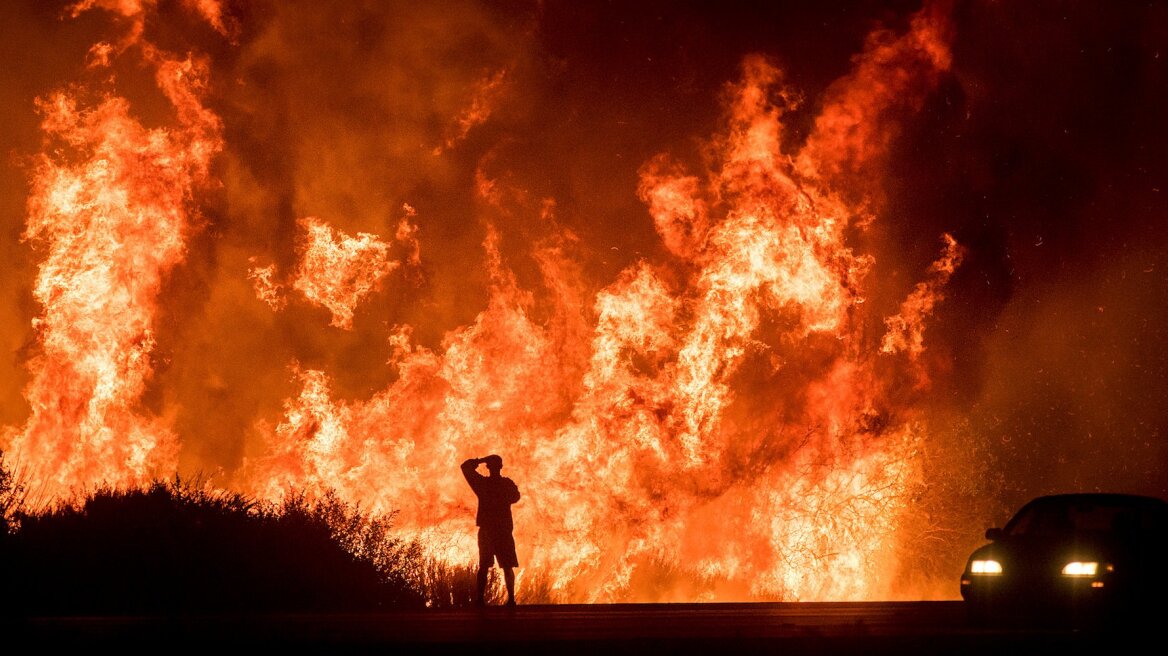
(729, 629)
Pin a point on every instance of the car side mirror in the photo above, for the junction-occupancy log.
(994, 534)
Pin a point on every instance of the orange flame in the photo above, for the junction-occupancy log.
(906, 330)
(337, 271)
(110, 207)
(707, 427)
(727, 426)
(267, 288)
(477, 112)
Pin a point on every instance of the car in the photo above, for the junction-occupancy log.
(1078, 559)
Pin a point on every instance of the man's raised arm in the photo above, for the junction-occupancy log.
(468, 470)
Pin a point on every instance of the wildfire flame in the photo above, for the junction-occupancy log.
(110, 206)
(649, 458)
(710, 426)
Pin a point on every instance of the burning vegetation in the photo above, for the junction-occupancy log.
(297, 281)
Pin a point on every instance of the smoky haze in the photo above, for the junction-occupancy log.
(526, 127)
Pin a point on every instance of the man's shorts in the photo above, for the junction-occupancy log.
(497, 545)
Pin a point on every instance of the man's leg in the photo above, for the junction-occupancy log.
(509, 578)
(482, 597)
(486, 559)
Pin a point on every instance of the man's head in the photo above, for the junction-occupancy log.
(494, 463)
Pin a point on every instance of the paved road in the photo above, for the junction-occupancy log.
(729, 629)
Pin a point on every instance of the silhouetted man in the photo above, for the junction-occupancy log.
(496, 493)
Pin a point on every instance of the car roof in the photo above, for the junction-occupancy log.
(1105, 498)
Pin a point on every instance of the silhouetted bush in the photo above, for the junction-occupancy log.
(455, 586)
(174, 548)
(446, 585)
(11, 498)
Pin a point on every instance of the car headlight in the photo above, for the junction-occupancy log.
(1080, 568)
(985, 567)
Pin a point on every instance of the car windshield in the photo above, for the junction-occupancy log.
(1052, 517)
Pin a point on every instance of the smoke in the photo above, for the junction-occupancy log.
(1050, 175)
